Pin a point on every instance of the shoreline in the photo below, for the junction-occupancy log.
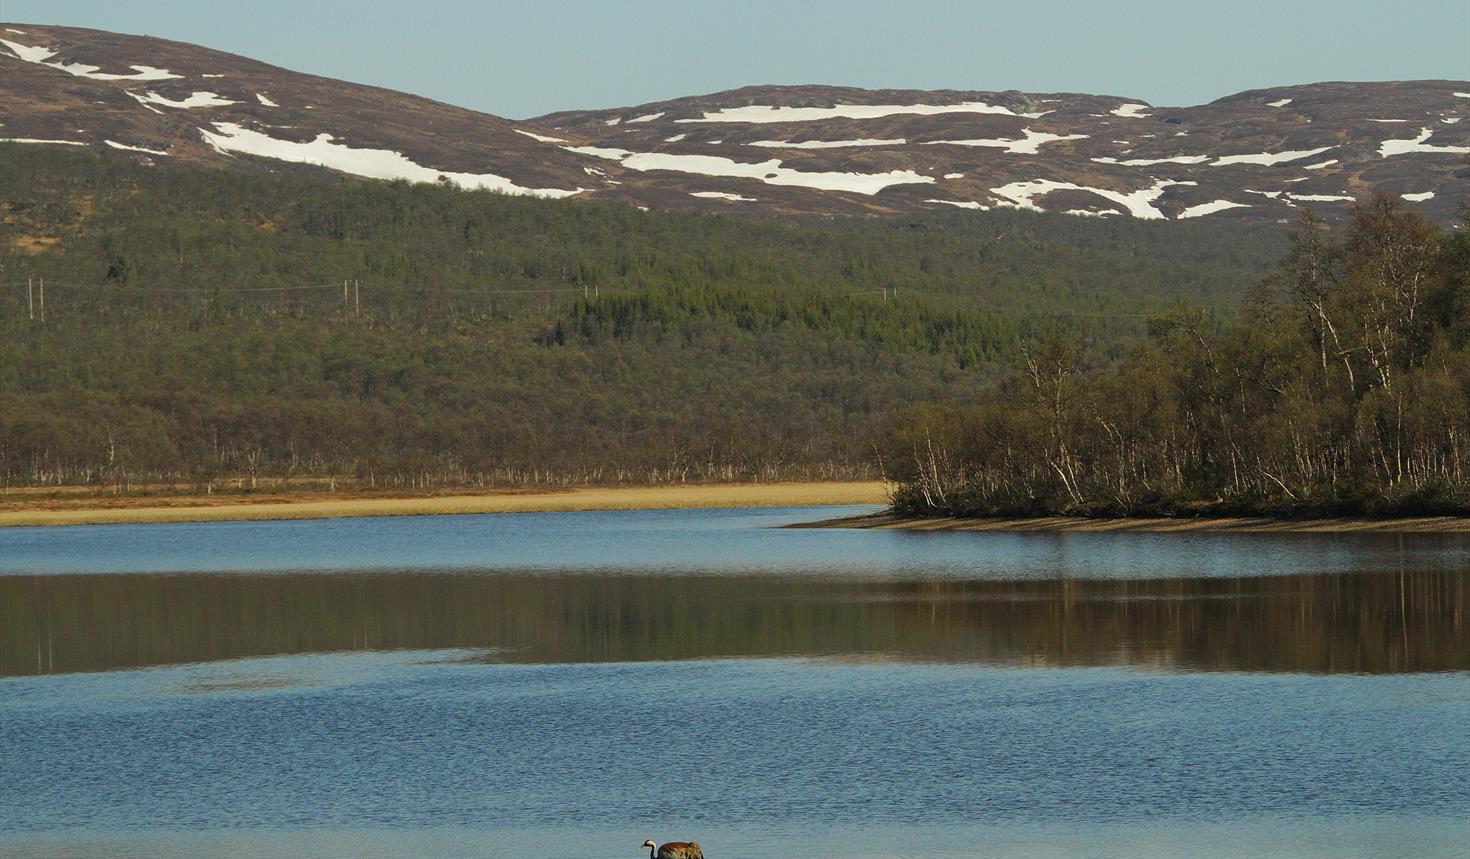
(137, 511)
(1224, 524)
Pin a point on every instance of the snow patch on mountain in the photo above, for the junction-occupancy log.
(1400, 146)
(195, 100)
(962, 204)
(1209, 208)
(1132, 110)
(42, 56)
(1269, 158)
(1149, 162)
(770, 172)
(265, 101)
(1137, 203)
(1028, 145)
(722, 195)
(231, 138)
(647, 117)
(827, 144)
(762, 113)
(1282, 103)
(1419, 197)
(38, 140)
(540, 137)
(124, 146)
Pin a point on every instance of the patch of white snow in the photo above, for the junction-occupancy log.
(771, 172)
(1028, 145)
(760, 113)
(1418, 146)
(1137, 203)
(1419, 197)
(827, 144)
(1131, 110)
(1211, 207)
(541, 137)
(962, 204)
(38, 140)
(647, 117)
(1149, 162)
(675, 139)
(1269, 158)
(36, 54)
(721, 195)
(198, 99)
(265, 101)
(116, 145)
(231, 138)
(1282, 103)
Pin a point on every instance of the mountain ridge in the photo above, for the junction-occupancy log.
(764, 150)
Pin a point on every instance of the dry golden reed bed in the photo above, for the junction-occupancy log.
(117, 511)
(1240, 525)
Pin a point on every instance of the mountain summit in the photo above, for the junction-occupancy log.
(800, 150)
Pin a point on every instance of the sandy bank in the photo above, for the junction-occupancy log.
(1425, 524)
(116, 511)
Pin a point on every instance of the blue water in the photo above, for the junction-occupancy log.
(863, 753)
(747, 541)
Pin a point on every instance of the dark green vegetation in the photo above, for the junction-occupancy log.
(196, 326)
(1344, 388)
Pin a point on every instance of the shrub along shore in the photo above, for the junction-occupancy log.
(1343, 391)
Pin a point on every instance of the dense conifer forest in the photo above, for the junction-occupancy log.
(1343, 387)
(197, 324)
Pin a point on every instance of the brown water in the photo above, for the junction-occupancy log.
(1369, 623)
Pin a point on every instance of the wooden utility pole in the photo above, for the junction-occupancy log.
(344, 298)
(43, 299)
(356, 299)
(30, 301)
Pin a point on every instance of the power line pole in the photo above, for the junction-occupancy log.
(356, 300)
(43, 299)
(30, 301)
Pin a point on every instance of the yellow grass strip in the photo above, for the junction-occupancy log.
(613, 498)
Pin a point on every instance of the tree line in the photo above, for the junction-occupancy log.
(196, 327)
(1344, 387)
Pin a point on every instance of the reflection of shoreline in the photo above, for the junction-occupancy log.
(104, 510)
(1316, 623)
(1235, 525)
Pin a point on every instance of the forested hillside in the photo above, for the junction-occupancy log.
(197, 323)
(1343, 388)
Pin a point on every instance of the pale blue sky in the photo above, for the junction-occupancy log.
(522, 59)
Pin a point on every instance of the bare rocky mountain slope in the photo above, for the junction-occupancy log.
(803, 150)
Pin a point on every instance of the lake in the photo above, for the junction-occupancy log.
(570, 684)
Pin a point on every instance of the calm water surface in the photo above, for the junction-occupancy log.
(570, 684)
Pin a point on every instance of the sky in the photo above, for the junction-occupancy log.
(525, 59)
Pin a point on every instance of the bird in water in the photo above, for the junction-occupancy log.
(674, 850)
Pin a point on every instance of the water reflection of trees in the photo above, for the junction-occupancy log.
(1373, 623)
